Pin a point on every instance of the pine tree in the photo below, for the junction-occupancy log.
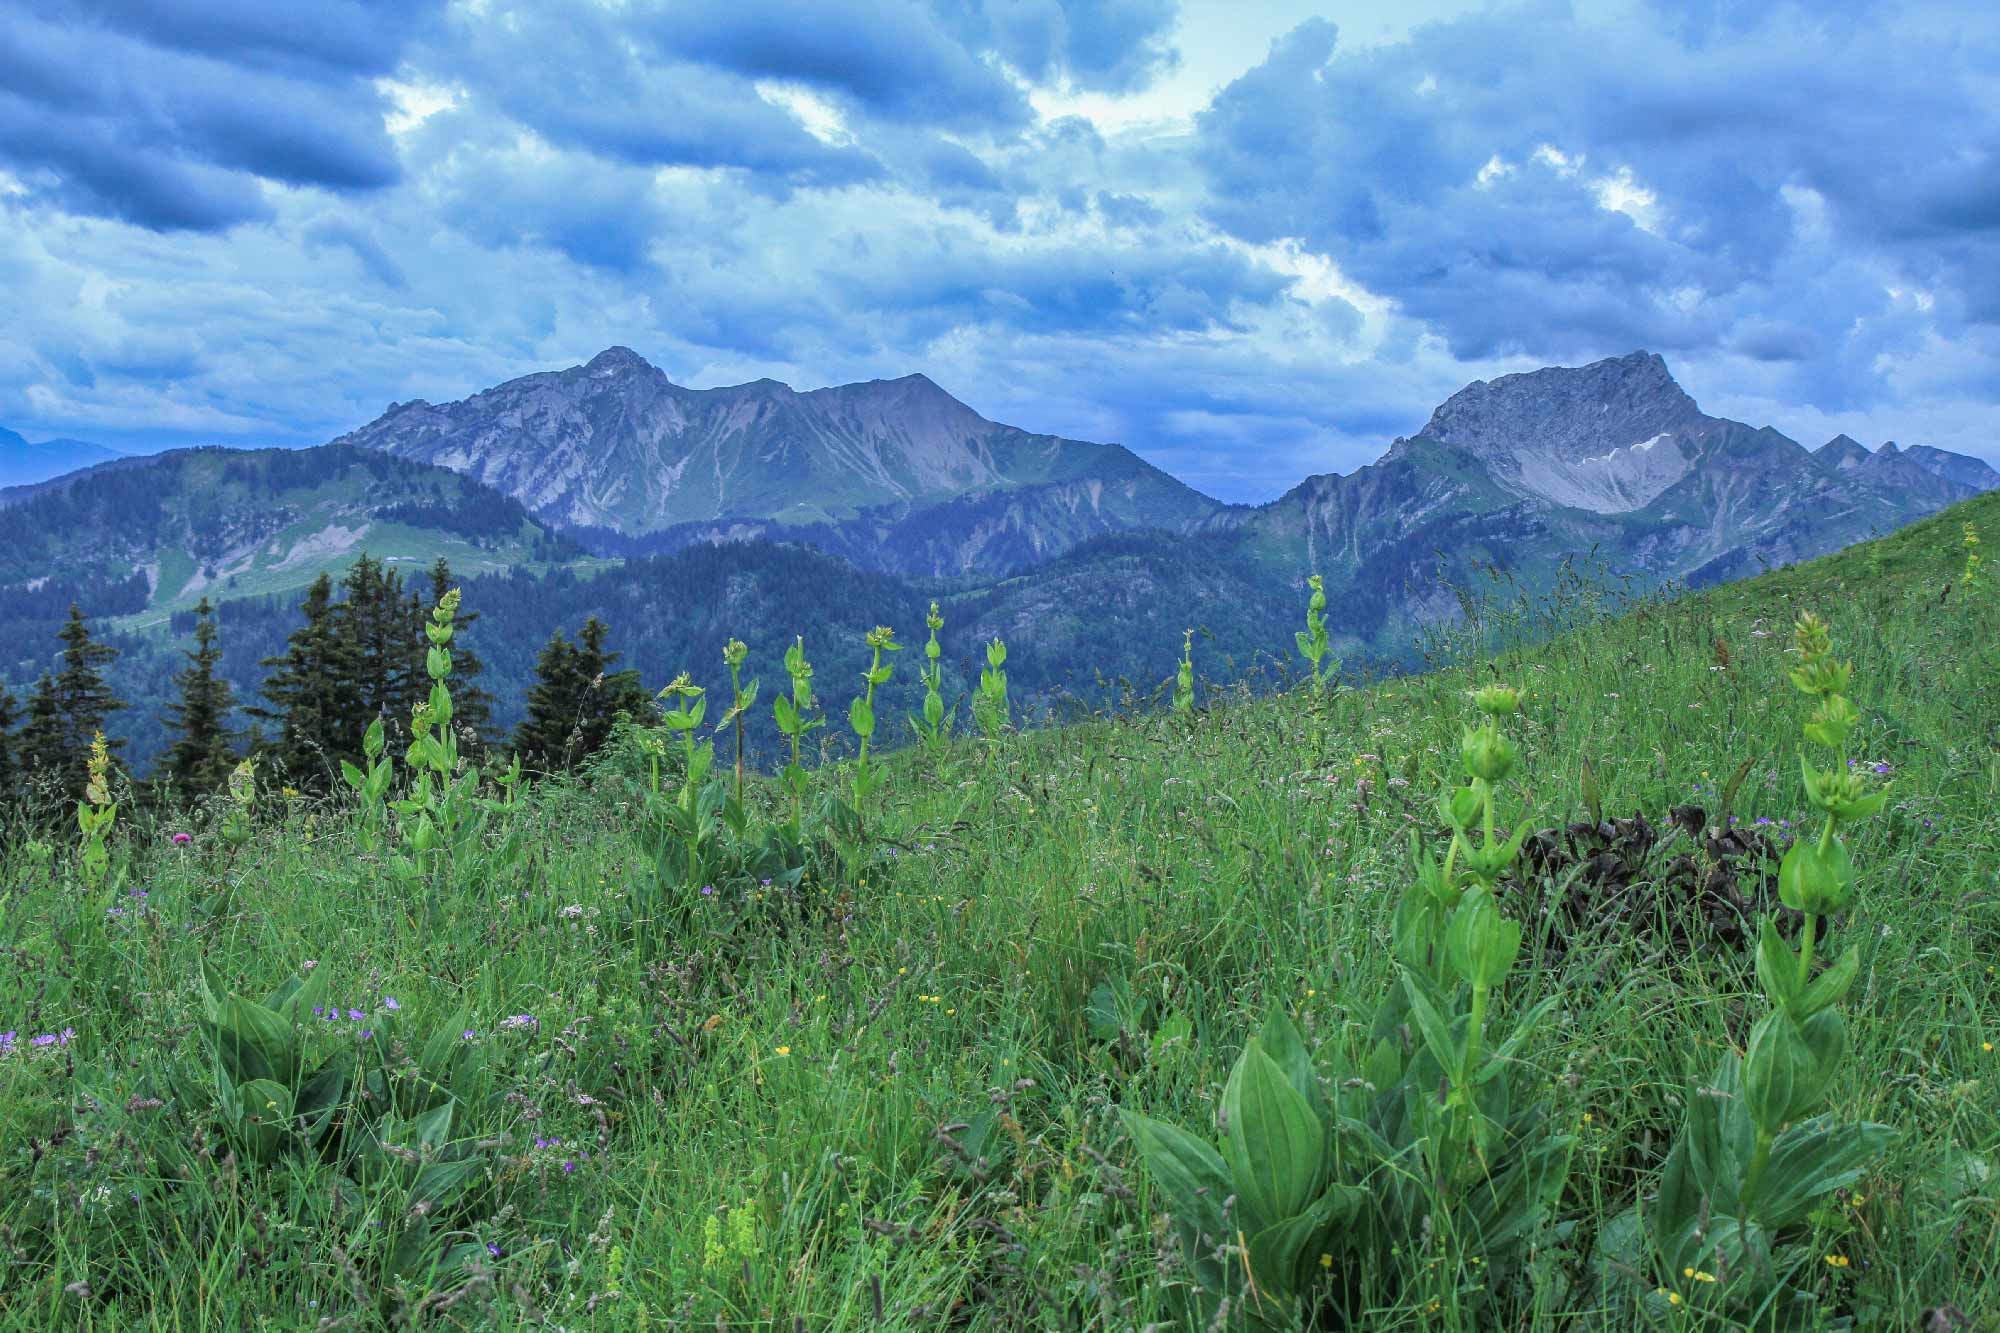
(311, 692)
(69, 709)
(575, 699)
(471, 706)
(200, 759)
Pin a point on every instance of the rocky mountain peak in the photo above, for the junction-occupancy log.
(616, 360)
(1607, 437)
(1573, 411)
(1843, 452)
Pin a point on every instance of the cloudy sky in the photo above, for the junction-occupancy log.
(1253, 239)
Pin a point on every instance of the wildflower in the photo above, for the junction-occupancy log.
(784, 1050)
(1986, 1046)
(708, 890)
(1697, 1275)
(493, 1249)
(467, 1035)
(1326, 1261)
(183, 839)
(572, 912)
(1838, 1261)
(355, 1015)
(389, 1003)
(519, 1023)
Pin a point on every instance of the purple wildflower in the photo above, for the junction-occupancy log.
(468, 1034)
(707, 890)
(493, 1249)
(355, 1015)
(389, 1003)
(183, 839)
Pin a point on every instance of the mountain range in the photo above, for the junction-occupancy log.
(893, 474)
(898, 476)
(681, 513)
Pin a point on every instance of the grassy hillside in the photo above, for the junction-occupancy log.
(876, 1079)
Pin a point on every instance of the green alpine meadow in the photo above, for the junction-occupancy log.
(999, 666)
(1631, 966)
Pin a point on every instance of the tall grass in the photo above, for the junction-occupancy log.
(883, 1090)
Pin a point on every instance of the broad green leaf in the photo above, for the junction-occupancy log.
(254, 1042)
(1830, 986)
(1274, 1145)
(265, 1107)
(321, 1096)
(1437, 1032)
(1189, 1173)
(301, 993)
(1810, 1161)
(1280, 1040)
(1777, 966)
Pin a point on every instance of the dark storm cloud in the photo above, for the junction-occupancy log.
(891, 57)
(352, 36)
(102, 120)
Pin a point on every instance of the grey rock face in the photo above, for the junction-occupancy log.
(1608, 437)
(614, 444)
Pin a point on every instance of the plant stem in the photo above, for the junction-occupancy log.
(1760, 1157)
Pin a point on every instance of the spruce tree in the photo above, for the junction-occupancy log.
(9, 714)
(203, 753)
(41, 738)
(575, 699)
(311, 694)
(471, 706)
(555, 703)
(69, 709)
(608, 694)
(374, 623)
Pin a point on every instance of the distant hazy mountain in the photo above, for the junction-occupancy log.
(22, 463)
(894, 474)
(160, 532)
